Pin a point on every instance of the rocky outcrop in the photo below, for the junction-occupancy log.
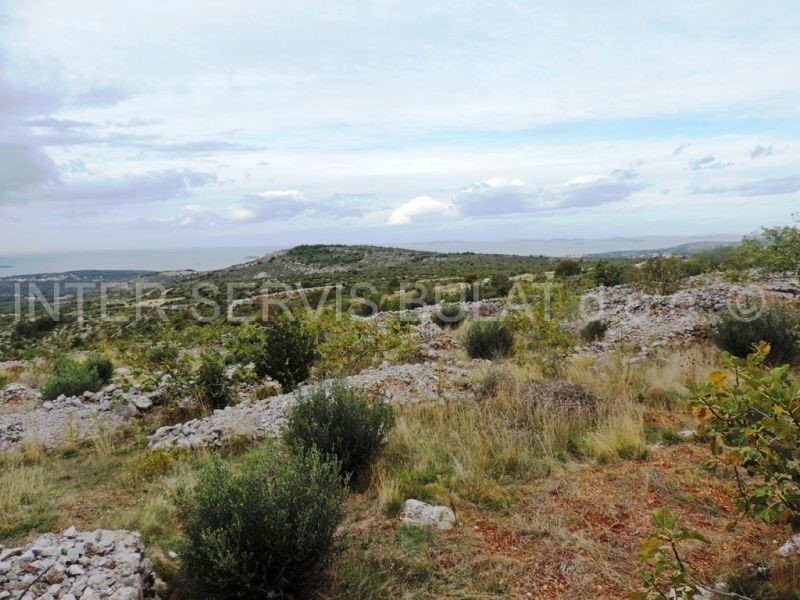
(19, 393)
(396, 384)
(76, 417)
(650, 321)
(78, 565)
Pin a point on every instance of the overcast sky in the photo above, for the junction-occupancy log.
(196, 122)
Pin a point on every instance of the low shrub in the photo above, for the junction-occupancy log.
(568, 268)
(776, 326)
(341, 423)
(262, 531)
(608, 274)
(72, 378)
(449, 315)
(102, 365)
(290, 351)
(489, 339)
(662, 274)
(211, 388)
(594, 331)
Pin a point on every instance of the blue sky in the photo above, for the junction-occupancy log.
(191, 123)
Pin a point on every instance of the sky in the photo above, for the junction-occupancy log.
(188, 123)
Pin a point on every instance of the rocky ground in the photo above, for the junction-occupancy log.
(396, 384)
(49, 424)
(78, 565)
(650, 321)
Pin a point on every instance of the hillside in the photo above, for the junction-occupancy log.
(513, 445)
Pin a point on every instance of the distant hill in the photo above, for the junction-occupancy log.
(682, 250)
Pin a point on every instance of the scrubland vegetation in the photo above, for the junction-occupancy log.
(572, 474)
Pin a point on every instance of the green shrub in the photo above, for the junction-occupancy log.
(449, 315)
(499, 286)
(608, 274)
(262, 531)
(341, 423)
(489, 339)
(211, 387)
(777, 326)
(751, 415)
(102, 365)
(594, 330)
(290, 351)
(72, 378)
(567, 268)
(662, 274)
(36, 327)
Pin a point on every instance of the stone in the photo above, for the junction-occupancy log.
(791, 547)
(423, 514)
(141, 402)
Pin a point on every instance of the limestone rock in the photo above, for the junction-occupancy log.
(423, 514)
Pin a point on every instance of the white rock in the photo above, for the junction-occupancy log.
(792, 546)
(416, 512)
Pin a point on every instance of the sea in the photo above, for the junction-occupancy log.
(172, 259)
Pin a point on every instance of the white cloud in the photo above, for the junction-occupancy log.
(421, 207)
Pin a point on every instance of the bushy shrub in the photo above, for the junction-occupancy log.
(102, 365)
(211, 387)
(777, 326)
(662, 274)
(36, 327)
(449, 315)
(498, 287)
(341, 423)
(72, 378)
(489, 339)
(283, 349)
(608, 274)
(594, 330)
(567, 268)
(262, 531)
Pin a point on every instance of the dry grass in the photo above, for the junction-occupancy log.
(24, 489)
(32, 451)
(617, 439)
(551, 500)
(104, 441)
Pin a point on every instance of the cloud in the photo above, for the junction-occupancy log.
(762, 187)
(60, 124)
(680, 149)
(596, 193)
(761, 151)
(421, 208)
(271, 205)
(152, 186)
(496, 196)
(23, 166)
(707, 162)
(198, 146)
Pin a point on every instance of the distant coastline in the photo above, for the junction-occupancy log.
(213, 258)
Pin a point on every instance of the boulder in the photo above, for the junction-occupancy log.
(423, 514)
